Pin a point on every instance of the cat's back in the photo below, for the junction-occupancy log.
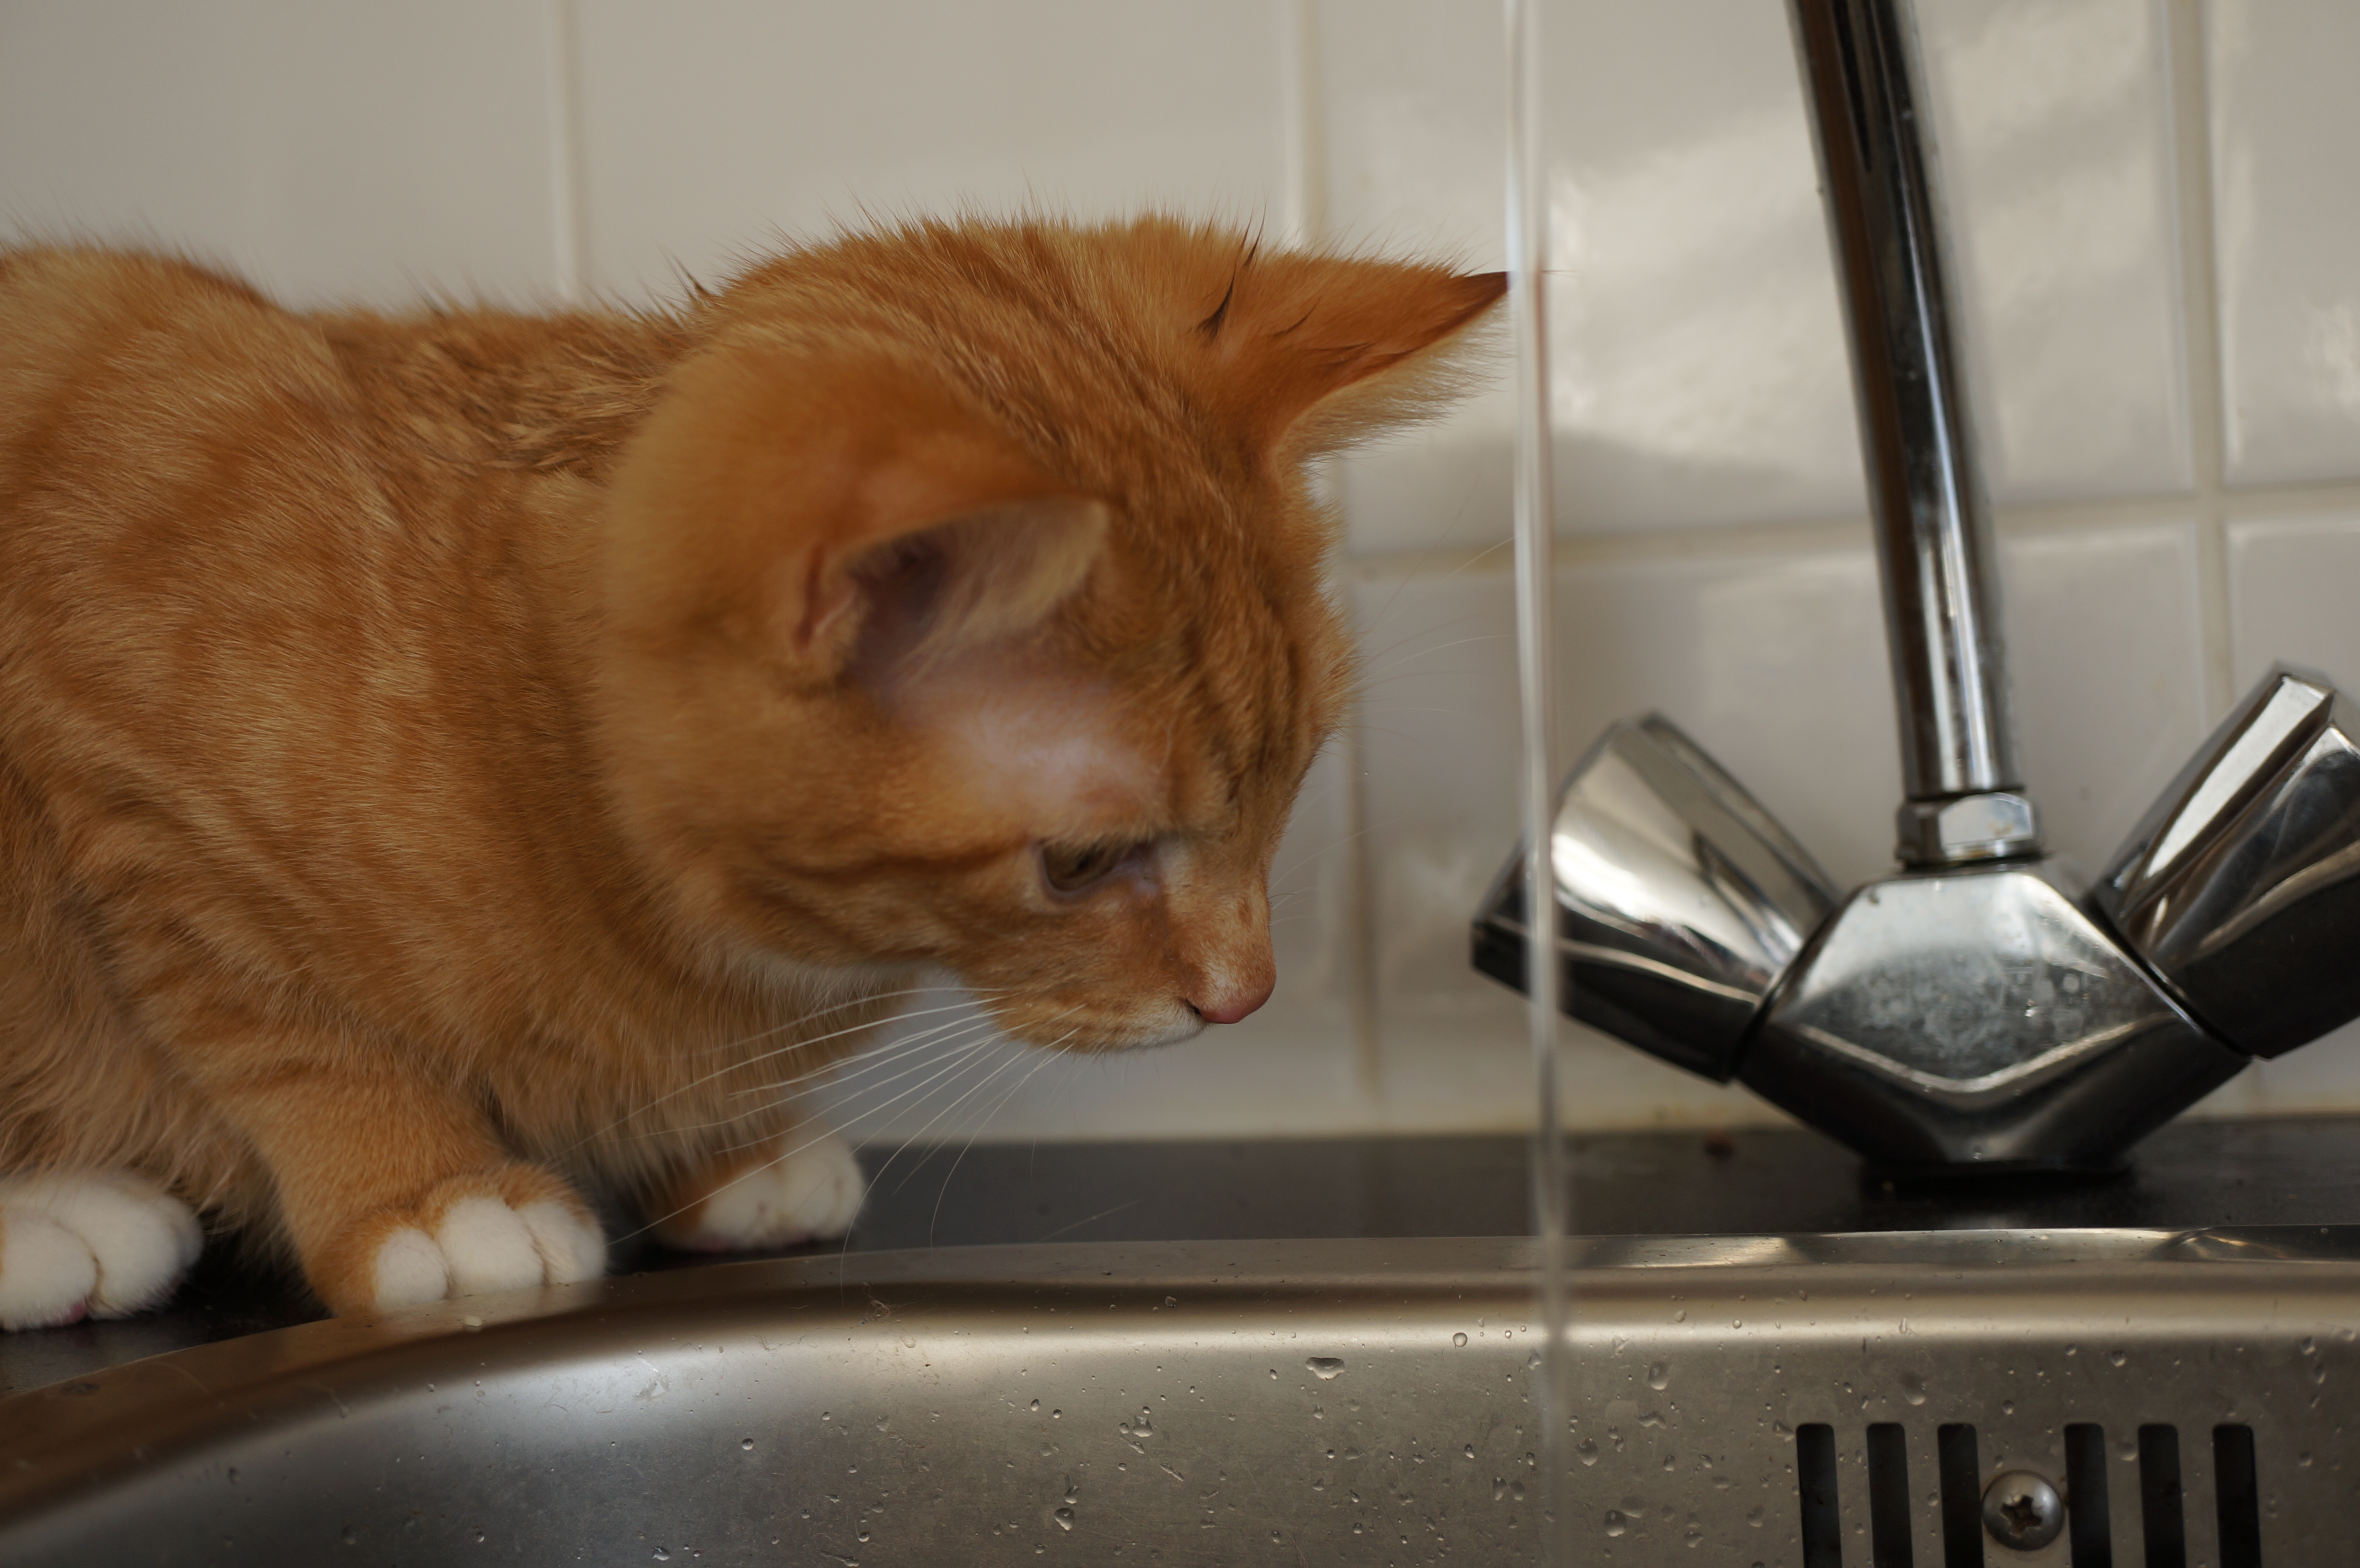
(94, 343)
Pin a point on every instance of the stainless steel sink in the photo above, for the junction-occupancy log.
(1784, 1400)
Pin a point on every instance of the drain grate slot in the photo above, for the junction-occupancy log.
(2089, 1517)
(2160, 1511)
(1888, 1497)
(1815, 1478)
(2086, 1513)
(2239, 1494)
(1962, 1477)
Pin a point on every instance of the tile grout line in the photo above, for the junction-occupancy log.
(568, 204)
(2021, 519)
(2201, 333)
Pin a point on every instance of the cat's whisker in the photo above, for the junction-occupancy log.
(646, 1106)
(813, 1015)
(1045, 1052)
(907, 1143)
(925, 1059)
(965, 1054)
(997, 1106)
(1016, 1054)
(875, 1057)
(900, 1045)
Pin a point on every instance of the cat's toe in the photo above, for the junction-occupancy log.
(810, 1189)
(101, 1244)
(472, 1243)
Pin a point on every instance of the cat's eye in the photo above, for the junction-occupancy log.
(1077, 867)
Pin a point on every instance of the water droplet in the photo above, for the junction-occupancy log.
(1516, 1490)
(1913, 1388)
(2007, 1407)
(353, 1537)
(1171, 1300)
(1471, 1451)
(1034, 1406)
(1458, 1339)
(1659, 1377)
(1680, 1316)
(662, 1555)
(1753, 1516)
(2118, 1356)
(1616, 1523)
(1064, 1518)
(1323, 1367)
(2302, 1461)
(1587, 1450)
(745, 1443)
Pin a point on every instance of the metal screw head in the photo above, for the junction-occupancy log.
(2022, 1511)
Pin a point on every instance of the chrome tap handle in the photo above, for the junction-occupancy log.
(1964, 799)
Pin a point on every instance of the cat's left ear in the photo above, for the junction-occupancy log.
(1308, 354)
(833, 515)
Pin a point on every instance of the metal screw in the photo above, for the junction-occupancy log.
(2022, 1511)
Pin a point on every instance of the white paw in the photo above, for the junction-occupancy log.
(482, 1245)
(101, 1244)
(812, 1190)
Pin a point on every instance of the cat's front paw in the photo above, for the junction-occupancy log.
(807, 1186)
(101, 1244)
(503, 1230)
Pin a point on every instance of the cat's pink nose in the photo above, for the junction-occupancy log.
(1226, 1004)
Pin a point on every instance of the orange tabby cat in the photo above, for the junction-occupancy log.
(450, 757)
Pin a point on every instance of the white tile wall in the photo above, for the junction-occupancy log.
(2287, 238)
(2163, 538)
(329, 152)
(713, 126)
(2053, 122)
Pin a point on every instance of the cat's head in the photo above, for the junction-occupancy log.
(964, 603)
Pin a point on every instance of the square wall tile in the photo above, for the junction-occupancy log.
(2287, 235)
(2108, 669)
(331, 153)
(715, 128)
(2291, 583)
(1700, 376)
(2052, 125)
(1700, 371)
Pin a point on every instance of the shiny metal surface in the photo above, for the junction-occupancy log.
(1978, 1016)
(1224, 1403)
(1959, 831)
(2021, 1512)
(1980, 1009)
(1933, 524)
(1679, 899)
(2241, 886)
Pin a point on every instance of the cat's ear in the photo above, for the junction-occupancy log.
(835, 514)
(1307, 354)
(939, 580)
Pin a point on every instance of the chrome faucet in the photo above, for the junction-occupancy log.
(1984, 1006)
